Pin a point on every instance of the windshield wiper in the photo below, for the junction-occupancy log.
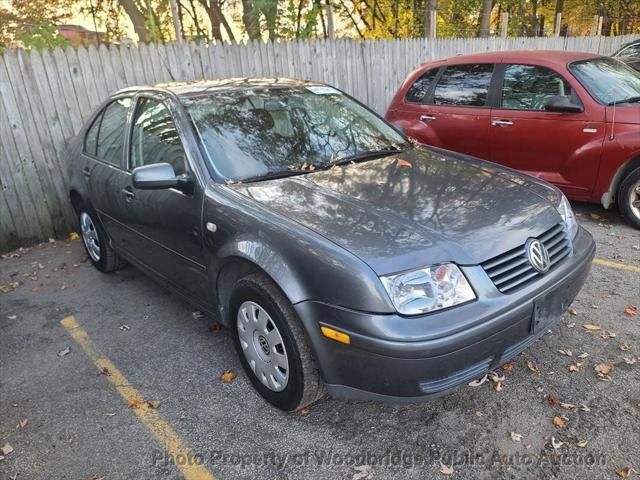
(367, 155)
(635, 99)
(273, 175)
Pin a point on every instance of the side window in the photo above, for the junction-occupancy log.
(420, 89)
(630, 51)
(110, 140)
(155, 138)
(527, 87)
(464, 85)
(91, 138)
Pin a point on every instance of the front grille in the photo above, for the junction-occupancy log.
(512, 269)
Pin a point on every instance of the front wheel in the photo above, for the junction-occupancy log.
(629, 198)
(96, 242)
(272, 344)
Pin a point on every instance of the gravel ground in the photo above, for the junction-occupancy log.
(79, 427)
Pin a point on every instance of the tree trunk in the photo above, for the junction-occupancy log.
(485, 18)
(137, 18)
(559, 9)
(250, 19)
(429, 6)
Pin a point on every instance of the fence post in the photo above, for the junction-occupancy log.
(556, 32)
(504, 24)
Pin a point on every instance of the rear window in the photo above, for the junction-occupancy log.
(420, 89)
(464, 85)
(105, 138)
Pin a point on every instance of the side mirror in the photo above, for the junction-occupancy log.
(160, 176)
(561, 104)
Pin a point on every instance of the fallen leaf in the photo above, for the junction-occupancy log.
(572, 311)
(7, 449)
(498, 386)
(227, 377)
(583, 355)
(567, 406)
(528, 446)
(134, 403)
(625, 347)
(552, 399)
(591, 327)
(153, 404)
(516, 437)
(446, 470)
(606, 335)
(556, 444)
(595, 216)
(363, 472)
(629, 360)
(568, 353)
(105, 371)
(631, 311)
(197, 314)
(582, 443)
(625, 472)
(215, 327)
(64, 352)
(303, 412)
(124, 327)
(12, 317)
(73, 236)
(23, 423)
(559, 422)
(477, 383)
(584, 408)
(603, 368)
(507, 367)
(575, 366)
(533, 367)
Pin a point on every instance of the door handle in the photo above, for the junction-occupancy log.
(86, 171)
(427, 118)
(128, 193)
(501, 123)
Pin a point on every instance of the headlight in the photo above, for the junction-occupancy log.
(568, 217)
(428, 289)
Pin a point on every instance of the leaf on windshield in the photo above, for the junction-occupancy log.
(404, 163)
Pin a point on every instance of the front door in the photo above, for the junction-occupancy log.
(561, 148)
(164, 226)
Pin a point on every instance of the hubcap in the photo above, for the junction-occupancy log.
(634, 199)
(90, 236)
(262, 346)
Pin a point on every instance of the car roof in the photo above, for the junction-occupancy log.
(549, 57)
(185, 89)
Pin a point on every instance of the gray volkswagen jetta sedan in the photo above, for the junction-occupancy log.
(342, 256)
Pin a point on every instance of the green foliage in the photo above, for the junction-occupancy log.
(39, 37)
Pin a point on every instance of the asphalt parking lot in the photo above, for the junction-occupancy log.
(129, 387)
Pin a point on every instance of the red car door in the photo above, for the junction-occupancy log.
(561, 148)
(451, 114)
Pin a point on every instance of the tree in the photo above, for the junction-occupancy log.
(33, 23)
(485, 18)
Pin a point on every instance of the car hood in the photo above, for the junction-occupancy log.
(415, 208)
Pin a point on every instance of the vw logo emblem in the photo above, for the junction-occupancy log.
(537, 255)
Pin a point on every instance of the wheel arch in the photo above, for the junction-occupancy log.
(609, 197)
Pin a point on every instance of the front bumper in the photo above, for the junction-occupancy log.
(400, 359)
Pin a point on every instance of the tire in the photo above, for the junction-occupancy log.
(255, 341)
(97, 244)
(629, 198)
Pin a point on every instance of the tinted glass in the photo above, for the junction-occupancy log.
(265, 130)
(420, 89)
(608, 79)
(91, 138)
(630, 51)
(155, 138)
(466, 85)
(111, 134)
(527, 87)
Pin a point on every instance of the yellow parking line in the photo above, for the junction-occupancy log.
(164, 434)
(618, 265)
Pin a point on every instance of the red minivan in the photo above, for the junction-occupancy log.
(572, 119)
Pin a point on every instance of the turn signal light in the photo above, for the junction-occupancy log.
(335, 335)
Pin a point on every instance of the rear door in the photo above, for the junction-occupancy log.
(104, 148)
(448, 108)
(561, 148)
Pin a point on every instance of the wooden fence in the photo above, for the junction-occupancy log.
(45, 98)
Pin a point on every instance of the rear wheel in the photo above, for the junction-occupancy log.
(272, 344)
(629, 198)
(96, 242)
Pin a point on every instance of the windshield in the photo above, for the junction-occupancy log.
(608, 80)
(257, 132)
